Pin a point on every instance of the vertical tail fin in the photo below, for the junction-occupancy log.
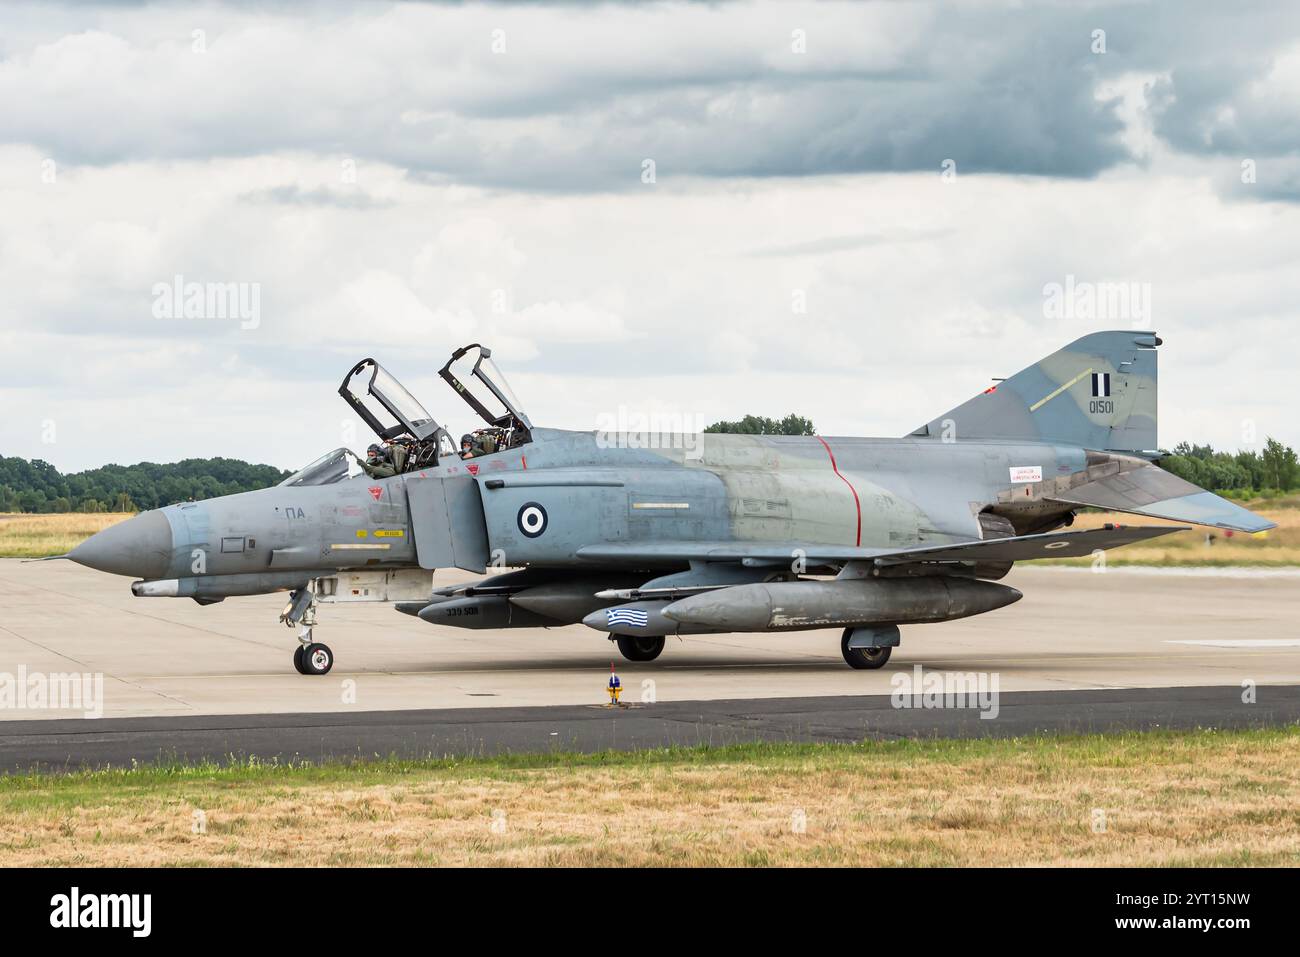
(1099, 392)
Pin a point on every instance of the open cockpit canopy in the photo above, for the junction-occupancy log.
(396, 417)
(384, 403)
(473, 374)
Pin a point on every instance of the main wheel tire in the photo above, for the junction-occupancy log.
(317, 659)
(297, 659)
(639, 647)
(864, 659)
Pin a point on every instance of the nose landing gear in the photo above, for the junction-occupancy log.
(310, 657)
(313, 658)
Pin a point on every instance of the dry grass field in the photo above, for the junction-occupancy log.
(1161, 798)
(35, 536)
(1205, 547)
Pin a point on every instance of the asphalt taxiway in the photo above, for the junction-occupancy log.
(462, 732)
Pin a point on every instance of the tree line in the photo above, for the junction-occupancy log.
(761, 425)
(37, 486)
(1238, 474)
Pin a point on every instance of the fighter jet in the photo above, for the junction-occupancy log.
(643, 536)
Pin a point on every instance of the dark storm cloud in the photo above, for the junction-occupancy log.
(1008, 92)
(579, 99)
(1228, 87)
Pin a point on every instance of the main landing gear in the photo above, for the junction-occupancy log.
(310, 657)
(639, 647)
(868, 648)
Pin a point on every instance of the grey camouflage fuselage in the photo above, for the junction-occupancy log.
(648, 523)
(867, 493)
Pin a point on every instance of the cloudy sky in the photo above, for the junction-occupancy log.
(849, 211)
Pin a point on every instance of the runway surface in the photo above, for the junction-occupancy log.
(1074, 630)
(460, 732)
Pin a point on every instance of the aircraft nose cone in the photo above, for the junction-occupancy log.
(140, 546)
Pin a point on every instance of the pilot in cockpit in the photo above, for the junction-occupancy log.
(378, 463)
(385, 460)
(479, 443)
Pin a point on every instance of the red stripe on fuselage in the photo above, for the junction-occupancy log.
(856, 504)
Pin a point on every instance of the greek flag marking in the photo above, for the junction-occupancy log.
(631, 617)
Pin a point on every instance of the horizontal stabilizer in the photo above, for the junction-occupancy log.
(1156, 493)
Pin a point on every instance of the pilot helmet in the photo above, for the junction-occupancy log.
(466, 439)
(374, 451)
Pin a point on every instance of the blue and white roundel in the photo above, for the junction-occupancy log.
(531, 519)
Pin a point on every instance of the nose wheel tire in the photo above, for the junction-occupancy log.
(863, 659)
(314, 659)
(639, 647)
(297, 659)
